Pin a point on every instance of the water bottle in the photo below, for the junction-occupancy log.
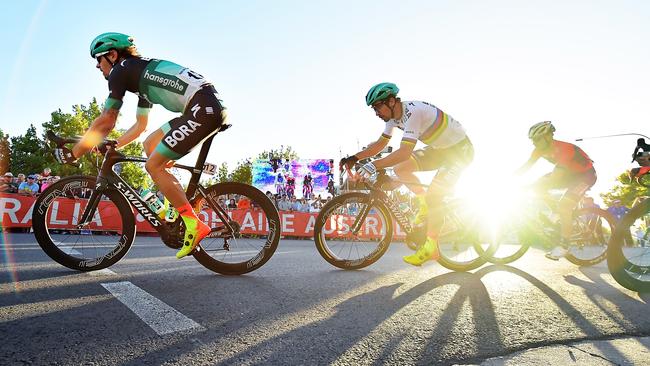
(171, 214)
(152, 201)
(405, 208)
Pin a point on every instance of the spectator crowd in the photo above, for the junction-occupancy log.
(28, 185)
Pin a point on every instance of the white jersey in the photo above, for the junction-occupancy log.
(423, 121)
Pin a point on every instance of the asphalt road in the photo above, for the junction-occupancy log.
(297, 309)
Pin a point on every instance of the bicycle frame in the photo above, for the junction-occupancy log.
(107, 179)
(393, 207)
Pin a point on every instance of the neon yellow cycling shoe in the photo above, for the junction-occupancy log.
(428, 251)
(195, 231)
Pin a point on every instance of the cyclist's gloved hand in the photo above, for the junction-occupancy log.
(64, 155)
(348, 161)
(367, 170)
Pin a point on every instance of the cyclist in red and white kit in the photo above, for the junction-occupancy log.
(574, 171)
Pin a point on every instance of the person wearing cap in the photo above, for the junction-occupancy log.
(29, 188)
(8, 185)
(617, 209)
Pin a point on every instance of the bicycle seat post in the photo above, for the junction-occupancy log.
(198, 168)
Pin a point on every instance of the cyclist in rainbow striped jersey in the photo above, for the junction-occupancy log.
(448, 150)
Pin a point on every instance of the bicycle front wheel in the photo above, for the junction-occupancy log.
(460, 242)
(351, 232)
(251, 235)
(628, 253)
(91, 246)
(592, 228)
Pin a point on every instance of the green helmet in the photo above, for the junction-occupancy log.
(381, 91)
(108, 41)
(541, 129)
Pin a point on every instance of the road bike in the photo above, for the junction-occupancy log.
(628, 257)
(87, 223)
(537, 222)
(355, 229)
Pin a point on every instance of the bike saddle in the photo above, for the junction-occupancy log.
(224, 127)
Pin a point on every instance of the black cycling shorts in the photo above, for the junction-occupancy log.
(449, 162)
(202, 118)
(576, 184)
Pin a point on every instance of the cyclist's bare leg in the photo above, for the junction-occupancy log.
(565, 210)
(434, 198)
(195, 229)
(168, 184)
(152, 141)
(405, 172)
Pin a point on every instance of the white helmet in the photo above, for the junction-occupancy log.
(541, 129)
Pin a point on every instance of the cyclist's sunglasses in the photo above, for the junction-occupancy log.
(376, 106)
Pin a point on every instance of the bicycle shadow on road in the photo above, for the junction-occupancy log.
(611, 300)
(377, 326)
(576, 317)
(371, 312)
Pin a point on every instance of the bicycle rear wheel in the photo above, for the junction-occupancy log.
(628, 253)
(461, 240)
(251, 236)
(343, 245)
(592, 229)
(89, 247)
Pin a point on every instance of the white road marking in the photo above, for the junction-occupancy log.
(162, 318)
(70, 251)
(102, 272)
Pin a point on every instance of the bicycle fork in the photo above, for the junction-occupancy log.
(361, 218)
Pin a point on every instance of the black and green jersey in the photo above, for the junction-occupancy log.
(155, 82)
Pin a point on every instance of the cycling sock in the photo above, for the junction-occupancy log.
(187, 210)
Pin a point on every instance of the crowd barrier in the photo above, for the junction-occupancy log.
(16, 212)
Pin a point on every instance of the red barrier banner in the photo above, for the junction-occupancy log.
(16, 212)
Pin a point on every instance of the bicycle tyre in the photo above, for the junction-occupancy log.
(590, 260)
(73, 257)
(462, 266)
(326, 246)
(262, 249)
(512, 231)
(628, 273)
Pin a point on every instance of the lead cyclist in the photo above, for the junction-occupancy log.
(177, 89)
(448, 150)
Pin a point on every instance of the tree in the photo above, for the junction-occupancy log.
(243, 173)
(5, 153)
(75, 124)
(281, 153)
(27, 152)
(222, 173)
(625, 190)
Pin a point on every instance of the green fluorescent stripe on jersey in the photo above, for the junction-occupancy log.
(167, 152)
(142, 111)
(113, 103)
